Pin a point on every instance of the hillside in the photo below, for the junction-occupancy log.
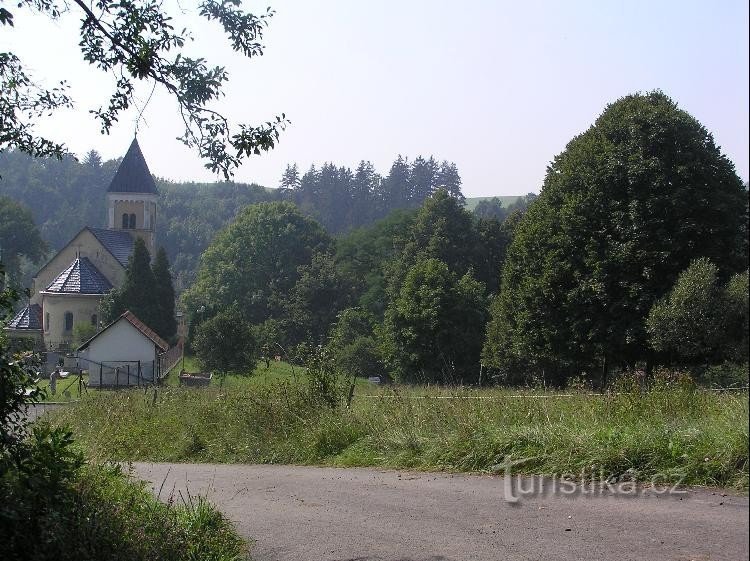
(507, 200)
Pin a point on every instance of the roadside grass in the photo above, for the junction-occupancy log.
(277, 371)
(675, 432)
(97, 511)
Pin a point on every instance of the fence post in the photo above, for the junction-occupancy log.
(100, 376)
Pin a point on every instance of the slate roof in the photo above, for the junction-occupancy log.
(30, 317)
(118, 242)
(133, 175)
(139, 325)
(82, 277)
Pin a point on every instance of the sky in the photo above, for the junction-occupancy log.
(499, 88)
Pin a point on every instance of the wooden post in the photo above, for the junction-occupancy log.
(100, 375)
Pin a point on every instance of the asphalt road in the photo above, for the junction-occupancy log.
(327, 514)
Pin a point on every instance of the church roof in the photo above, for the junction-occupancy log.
(118, 242)
(82, 277)
(133, 175)
(30, 317)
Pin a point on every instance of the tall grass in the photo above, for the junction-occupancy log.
(677, 431)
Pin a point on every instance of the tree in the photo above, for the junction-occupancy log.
(623, 210)
(138, 291)
(491, 208)
(290, 178)
(225, 343)
(443, 229)
(433, 328)
(254, 262)
(317, 297)
(449, 180)
(353, 346)
(364, 255)
(166, 325)
(19, 238)
(700, 321)
(137, 42)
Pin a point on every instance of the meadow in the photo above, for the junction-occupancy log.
(671, 430)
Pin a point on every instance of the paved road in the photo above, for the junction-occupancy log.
(328, 514)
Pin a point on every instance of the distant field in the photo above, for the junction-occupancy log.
(507, 200)
(680, 434)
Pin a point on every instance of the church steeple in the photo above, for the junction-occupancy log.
(131, 198)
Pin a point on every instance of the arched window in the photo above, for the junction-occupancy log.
(94, 320)
(132, 221)
(68, 321)
(124, 221)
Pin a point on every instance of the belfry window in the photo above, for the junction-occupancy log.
(132, 221)
(124, 221)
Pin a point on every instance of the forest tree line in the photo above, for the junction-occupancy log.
(65, 195)
(634, 255)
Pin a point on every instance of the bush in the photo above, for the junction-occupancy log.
(360, 358)
(225, 343)
(53, 507)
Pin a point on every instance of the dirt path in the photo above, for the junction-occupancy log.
(328, 514)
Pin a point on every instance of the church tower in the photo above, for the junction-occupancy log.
(131, 198)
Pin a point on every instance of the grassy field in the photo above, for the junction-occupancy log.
(678, 432)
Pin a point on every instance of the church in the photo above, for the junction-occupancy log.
(69, 288)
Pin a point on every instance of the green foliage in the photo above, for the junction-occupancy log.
(320, 292)
(138, 291)
(324, 386)
(19, 238)
(136, 41)
(255, 263)
(225, 343)
(341, 200)
(16, 374)
(626, 207)
(166, 325)
(442, 230)
(55, 508)
(433, 328)
(496, 208)
(353, 346)
(364, 255)
(700, 321)
(82, 332)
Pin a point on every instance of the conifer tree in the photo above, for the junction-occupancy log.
(137, 292)
(166, 326)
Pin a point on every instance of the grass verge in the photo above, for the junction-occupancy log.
(678, 433)
(55, 507)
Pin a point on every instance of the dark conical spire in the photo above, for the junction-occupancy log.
(133, 175)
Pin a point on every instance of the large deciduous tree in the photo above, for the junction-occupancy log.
(624, 208)
(254, 263)
(136, 41)
(433, 328)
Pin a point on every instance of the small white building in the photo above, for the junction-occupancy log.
(125, 353)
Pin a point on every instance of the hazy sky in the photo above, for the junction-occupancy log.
(497, 87)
